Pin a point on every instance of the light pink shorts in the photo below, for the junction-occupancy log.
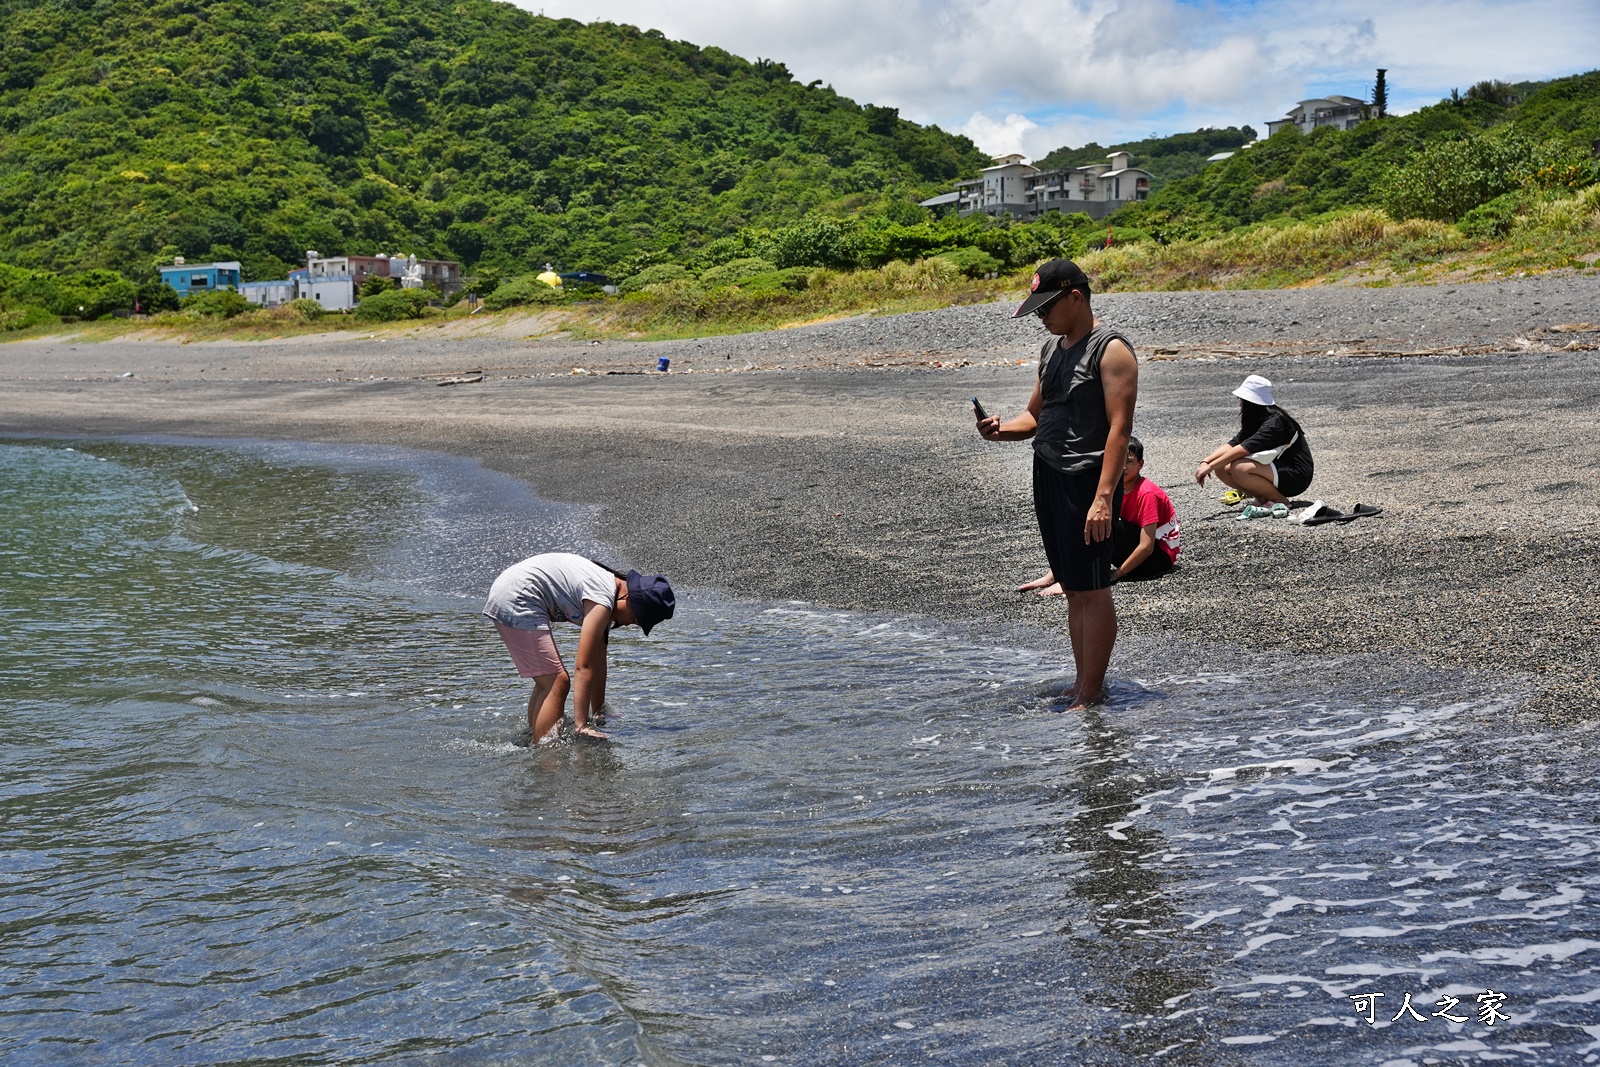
(533, 651)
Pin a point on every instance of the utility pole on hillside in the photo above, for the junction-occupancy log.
(1380, 95)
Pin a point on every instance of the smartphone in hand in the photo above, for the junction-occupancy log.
(978, 410)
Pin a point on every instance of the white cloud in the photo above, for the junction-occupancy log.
(1008, 75)
(1002, 137)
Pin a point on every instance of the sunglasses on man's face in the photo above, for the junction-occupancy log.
(1044, 312)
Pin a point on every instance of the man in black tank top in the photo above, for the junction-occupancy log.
(1079, 419)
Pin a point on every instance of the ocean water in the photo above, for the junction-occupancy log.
(265, 797)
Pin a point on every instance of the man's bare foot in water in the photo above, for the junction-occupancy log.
(1082, 703)
(1045, 584)
(589, 733)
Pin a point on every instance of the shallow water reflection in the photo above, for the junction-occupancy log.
(263, 804)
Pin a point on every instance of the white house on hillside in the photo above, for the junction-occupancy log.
(328, 281)
(335, 281)
(1340, 112)
(268, 294)
(1013, 187)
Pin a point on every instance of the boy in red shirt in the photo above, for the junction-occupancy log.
(1145, 533)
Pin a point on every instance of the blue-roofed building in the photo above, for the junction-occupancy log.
(187, 278)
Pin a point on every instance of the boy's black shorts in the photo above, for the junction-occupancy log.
(1061, 502)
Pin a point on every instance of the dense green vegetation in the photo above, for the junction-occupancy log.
(722, 191)
(1540, 141)
(465, 129)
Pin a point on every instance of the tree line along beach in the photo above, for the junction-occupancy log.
(842, 467)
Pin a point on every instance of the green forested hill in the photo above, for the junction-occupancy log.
(1542, 136)
(465, 129)
(1521, 127)
(135, 130)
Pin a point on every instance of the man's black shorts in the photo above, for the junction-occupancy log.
(1061, 501)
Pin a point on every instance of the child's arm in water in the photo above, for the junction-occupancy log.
(589, 682)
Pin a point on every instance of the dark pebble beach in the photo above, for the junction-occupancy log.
(838, 464)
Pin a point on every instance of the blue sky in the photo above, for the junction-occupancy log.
(1116, 70)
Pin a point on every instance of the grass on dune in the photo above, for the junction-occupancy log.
(1358, 247)
(1553, 234)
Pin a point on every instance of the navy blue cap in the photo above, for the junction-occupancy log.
(650, 597)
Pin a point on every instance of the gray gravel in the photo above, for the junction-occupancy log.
(1508, 315)
(870, 489)
(1400, 319)
(1512, 316)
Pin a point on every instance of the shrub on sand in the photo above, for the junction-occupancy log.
(973, 262)
(656, 275)
(24, 318)
(790, 279)
(925, 275)
(736, 272)
(392, 305)
(1447, 179)
(1562, 215)
(521, 290)
(218, 304)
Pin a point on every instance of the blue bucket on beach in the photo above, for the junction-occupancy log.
(662, 363)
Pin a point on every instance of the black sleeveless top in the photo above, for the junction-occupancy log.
(1072, 419)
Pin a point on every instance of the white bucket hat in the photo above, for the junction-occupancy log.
(1255, 389)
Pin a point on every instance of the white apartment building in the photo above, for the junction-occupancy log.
(1340, 112)
(1098, 189)
(1013, 187)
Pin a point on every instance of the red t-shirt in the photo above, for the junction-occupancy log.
(1149, 505)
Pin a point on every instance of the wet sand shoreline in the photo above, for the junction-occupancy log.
(860, 486)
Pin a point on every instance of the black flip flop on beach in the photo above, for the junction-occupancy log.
(1327, 514)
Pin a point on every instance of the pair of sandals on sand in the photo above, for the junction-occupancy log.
(1313, 514)
(1316, 513)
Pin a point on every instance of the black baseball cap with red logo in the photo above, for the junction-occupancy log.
(1054, 278)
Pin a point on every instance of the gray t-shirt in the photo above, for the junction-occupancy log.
(547, 588)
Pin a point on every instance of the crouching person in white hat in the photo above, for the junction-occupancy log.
(1269, 458)
(558, 586)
